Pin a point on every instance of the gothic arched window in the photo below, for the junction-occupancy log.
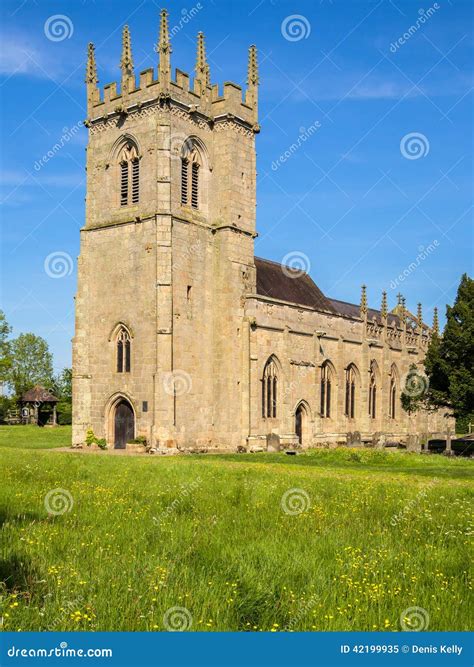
(326, 380)
(129, 175)
(350, 402)
(392, 408)
(372, 393)
(269, 389)
(123, 351)
(191, 166)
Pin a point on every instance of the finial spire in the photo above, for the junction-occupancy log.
(93, 95)
(363, 301)
(435, 322)
(91, 70)
(202, 78)
(403, 309)
(126, 62)
(419, 315)
(384, 306)
(251, 97)
(164, 50)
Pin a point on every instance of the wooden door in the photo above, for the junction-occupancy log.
(124, 425)
(299, 423)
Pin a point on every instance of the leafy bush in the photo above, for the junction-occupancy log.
(90, 437)
(64, 409)
(6, 404)
(139, 440)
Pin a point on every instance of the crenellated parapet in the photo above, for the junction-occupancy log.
(197, 97)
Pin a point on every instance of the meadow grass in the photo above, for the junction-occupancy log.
(379, 533)
(35, 437)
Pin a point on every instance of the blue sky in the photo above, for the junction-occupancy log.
(359, 197)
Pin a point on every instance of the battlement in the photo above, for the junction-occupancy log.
(196, 95)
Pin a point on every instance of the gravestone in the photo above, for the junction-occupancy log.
(413, 443)
(273, 442)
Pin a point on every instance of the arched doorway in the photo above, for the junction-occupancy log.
(301, 423)
(124, 424)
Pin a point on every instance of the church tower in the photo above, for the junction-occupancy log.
(166, 253)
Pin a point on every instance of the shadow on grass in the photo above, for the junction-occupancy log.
(7, 516)
(406, 465)
(18, 573)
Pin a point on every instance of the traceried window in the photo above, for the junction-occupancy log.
(350, 397)
(123, 351)
(326, 386)
(372, 393)
(269, 390)
(129, 175)
(392, 408)
(191, 168)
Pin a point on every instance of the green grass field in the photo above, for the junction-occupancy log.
(379, 533)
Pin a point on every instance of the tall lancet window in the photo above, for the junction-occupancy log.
(326, 386)
(372, 393)
(129, 175)
(269, 390)
(123, 351)
(350, 399)
(392, 408)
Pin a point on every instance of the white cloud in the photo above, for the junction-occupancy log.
(19, 57)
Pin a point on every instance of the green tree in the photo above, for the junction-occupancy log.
(62, 385)
(62, 388)
(5, 348)
(449, 361)
(32, 363)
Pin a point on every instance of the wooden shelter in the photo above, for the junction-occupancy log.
(38, 406)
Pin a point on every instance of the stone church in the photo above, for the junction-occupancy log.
(182, 335)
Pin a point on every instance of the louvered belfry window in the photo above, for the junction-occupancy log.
(191, 194)
(123, 183)
(184, 180)
(195, 185)
(129, 175)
